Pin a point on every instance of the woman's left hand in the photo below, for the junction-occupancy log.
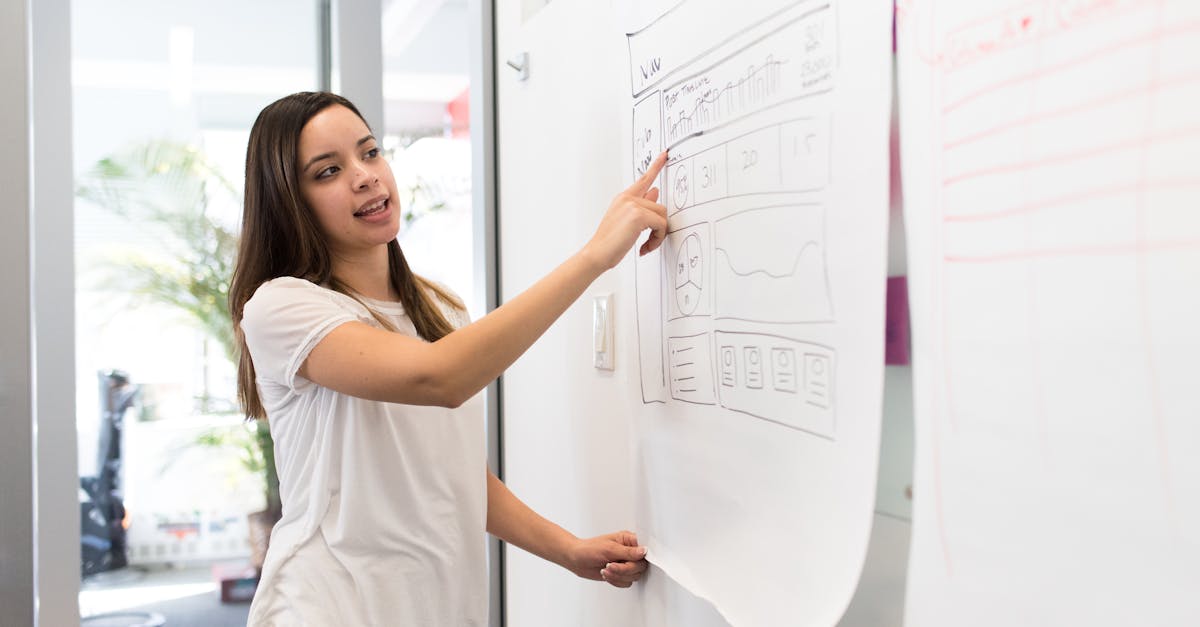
(614, 557)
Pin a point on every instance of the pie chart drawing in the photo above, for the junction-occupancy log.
(689, 274)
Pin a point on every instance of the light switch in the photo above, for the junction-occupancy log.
(602, 331)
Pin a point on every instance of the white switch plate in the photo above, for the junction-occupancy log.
(602, 331)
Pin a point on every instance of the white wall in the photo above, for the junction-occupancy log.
(567, 426)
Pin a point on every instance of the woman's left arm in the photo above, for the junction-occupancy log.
(614, 557)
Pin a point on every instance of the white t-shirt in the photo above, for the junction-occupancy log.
(384, 505)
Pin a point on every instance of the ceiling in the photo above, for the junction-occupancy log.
(223, 53)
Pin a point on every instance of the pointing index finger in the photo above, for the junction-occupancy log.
(642, 185)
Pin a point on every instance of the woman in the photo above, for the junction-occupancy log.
(365, 371)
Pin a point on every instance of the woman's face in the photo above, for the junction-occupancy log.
(347, 183)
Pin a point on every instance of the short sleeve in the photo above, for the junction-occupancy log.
(282, 323)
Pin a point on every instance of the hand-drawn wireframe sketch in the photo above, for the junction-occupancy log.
(760, 317)
(745, 165)
(1054, 249)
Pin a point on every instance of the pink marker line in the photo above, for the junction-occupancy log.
(1068, 199)
(1095, 151)
(1140, 40)
(1131, 248)
(1079, 108)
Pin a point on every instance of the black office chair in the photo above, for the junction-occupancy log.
(101, 509)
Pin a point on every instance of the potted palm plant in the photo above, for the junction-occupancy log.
(172, 189)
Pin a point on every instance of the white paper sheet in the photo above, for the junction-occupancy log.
(1052, 196)
(760, 324)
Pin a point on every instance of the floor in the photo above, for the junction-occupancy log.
(186, 596)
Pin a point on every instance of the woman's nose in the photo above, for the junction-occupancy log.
(364, 178)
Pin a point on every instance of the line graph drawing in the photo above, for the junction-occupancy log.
(770, 265)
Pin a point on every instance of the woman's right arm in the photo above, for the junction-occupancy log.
(363, 361)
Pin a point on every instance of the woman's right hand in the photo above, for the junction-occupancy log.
(631, 212)
(363, 361)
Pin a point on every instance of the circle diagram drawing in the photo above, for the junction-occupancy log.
(689, 274)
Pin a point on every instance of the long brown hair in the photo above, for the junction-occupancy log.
(280, 236)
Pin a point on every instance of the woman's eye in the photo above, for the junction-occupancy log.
(327, 172)
(372, 153)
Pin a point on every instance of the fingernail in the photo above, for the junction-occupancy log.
(608, 566)
(642, 551)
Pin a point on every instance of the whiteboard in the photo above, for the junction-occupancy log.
(1051, 186)
(760, 320)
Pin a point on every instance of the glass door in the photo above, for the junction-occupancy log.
(164, 94)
